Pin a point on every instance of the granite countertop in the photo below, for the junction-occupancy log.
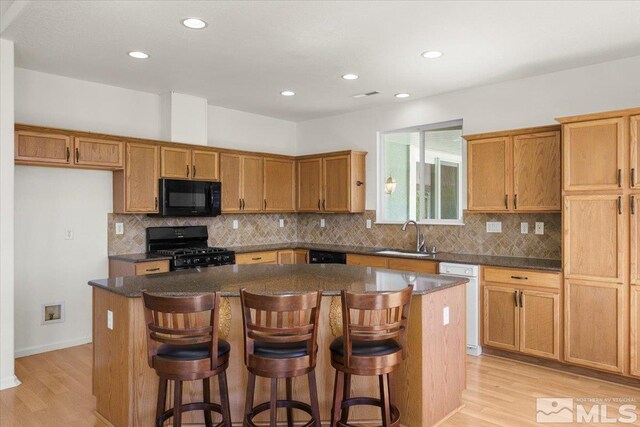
(487, 260)
(277, 279)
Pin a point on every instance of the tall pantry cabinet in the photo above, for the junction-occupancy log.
(600, 240)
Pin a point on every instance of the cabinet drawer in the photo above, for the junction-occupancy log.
(269, 257)
(367, 260)
(418, 266)
(534, 278)
(153, 267)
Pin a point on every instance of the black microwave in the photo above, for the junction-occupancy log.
(179, 197)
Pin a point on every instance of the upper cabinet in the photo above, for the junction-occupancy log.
(279, 184)
(514, 171)
(634, 122)
(186, 163)
(135, 190)
(63, 149)
(334, 182)
(241, 178)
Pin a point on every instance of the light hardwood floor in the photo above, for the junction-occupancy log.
(56, 391)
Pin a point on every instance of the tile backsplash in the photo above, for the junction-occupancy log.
(350, 229)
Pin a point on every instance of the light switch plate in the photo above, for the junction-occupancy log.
(234, 224)
(322, 223)
(524, 227)
(119, 228)
(445, 316)
(494, 227)
(110, 319)
(281, 223)
(368, 223)
(539, 227)
(68, 234)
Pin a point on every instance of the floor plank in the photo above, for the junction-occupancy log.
(56, 391)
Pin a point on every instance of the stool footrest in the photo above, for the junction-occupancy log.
(293, 404)
(187, 407)
(369, 401)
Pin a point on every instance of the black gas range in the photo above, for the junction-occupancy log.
(187, 246)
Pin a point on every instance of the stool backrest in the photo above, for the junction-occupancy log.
(375, 317)
(181, 321)
(281, 319)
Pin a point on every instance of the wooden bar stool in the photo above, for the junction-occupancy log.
(374, 342)
(183, 345)
(280, 341)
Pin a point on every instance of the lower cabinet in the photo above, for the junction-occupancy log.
(635, 331)
(525, 319)
(119, 268)
(594, 324)
(293, 256)
(403, 264)
(285, 256)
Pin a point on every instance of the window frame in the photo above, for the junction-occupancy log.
(462, 197)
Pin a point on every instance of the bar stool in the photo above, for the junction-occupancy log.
(374, 342)
(280, 341)
(183, 345)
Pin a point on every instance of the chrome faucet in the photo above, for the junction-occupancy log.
(419, 239)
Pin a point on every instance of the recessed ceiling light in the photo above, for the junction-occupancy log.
(350, 76)
(138, 55)
(194, 23)
(432, 54)
(402, 95)
(287, 93)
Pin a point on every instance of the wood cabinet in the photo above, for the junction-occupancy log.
(301, 256)
(286, 256)
(521, 311)
(514, 171)
(242, 178)
(334, 182)
(135, 190)
(279, 185)
(252, 181)
(402, 264)
(594, 237)
(119, 268)
(185, 163)
(635, 331)
(367, 260)
(594, 154)
(53, 149)
(264, 257)
(594, 324)
(634, 124)
(634, 236)
(309, 188)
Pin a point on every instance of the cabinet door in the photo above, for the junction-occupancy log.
(230, 182)
(593, 328)
(142, 178)
(501, 320)
(488, 174)
(176, 162)
(635, 331)
(635, 239)
(635, 151)
(537, 179)
(301, 256)
(594, 242)
(98, 152)
(593, 155)
(413, 265)
(279, 184)
(336, 177)
(309, 185)
(204, 165)
(367, 260)
(540, 323)
(42, 147)
(252, 200)
(286, 257)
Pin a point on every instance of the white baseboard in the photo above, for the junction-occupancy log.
(51, 347)
(9, 382)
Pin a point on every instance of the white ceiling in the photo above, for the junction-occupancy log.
(252, 50)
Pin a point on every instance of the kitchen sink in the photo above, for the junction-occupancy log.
(405, 254)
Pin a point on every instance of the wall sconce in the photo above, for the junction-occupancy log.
(390, 185)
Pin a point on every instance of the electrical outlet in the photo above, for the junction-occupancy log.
(109, 319)
(524, 227)
(119, 228)
(234, 224)
(539, 227)
(281, 223)
(445, 316)
(368, 223)
(68, 234)
(322, 223)
(494, 227)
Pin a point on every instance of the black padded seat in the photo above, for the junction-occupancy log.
(366, 348)
(280, 350)
(191, 352)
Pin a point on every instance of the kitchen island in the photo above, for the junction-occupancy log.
(429, 384)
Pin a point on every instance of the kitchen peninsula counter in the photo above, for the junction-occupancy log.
(429, 384)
